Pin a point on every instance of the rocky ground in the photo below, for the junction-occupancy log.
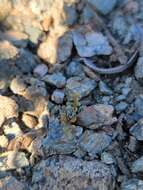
(62, 125)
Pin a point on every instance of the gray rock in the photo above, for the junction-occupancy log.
(137, 130)
(107, 100)
(11, 183)
(74, 69)
(120, 26)
(79, 87)
(19, 39)
(94, 142)
(79, 153)
(58, 96)
(135, 33)
(137, 165)
(40, 70)
(139, 69)
(126, 91)
(26, 61)
(13, 160)
(65, 172)
(96, 116)
(104, 88)
(87, 14)
(61, 139)
(132, 146)
(132, 184)
(71, 14)
(64, 48)
(139, 105)
(7, 72)
(55, 79)
(120, 98)
(120, 107)
(103, 6)
(90, 43)
(107, 158)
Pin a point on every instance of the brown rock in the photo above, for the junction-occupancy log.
(96, 116)
(29, 120)
(8, 108)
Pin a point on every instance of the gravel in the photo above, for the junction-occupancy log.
(62, 125)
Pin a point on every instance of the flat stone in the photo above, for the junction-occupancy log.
(11, 183)
(103, 6)
(40, 70)
(58, 96)
(55, 79)
(79, 87)
(137, 130)
(61, 139)
(64, 172)
(96, 116)
(132, 184)
(13, 160)
(94, 143)
(137, 165)
(90, 43)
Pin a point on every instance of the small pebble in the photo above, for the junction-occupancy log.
(58, 96)
(104, 88)
(120, 107)
(40, 70)
(107, 158)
